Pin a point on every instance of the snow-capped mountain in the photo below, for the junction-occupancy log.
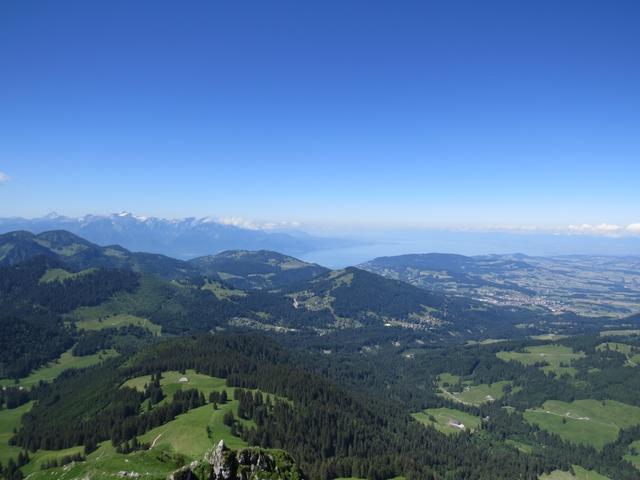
(182, 238)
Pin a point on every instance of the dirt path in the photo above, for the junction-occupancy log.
(153, 444)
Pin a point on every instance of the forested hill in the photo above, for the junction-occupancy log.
(79, 253)
(262, 269)
(34, 295)
(356, 298)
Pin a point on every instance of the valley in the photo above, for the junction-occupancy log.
(586, 285)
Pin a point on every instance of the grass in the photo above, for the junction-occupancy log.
(66, 361)
(579, 473)
(10, 419)
(470, 394)
(222, 292)
(187, 433)
(523, 447)
(479, 394)
(60, 275)
(588, 422)
(549, 337)
(43, 456)
(486, 341)
(116, 321)
(557, 358)
(441, 419)
(170, 383)
(105, 464)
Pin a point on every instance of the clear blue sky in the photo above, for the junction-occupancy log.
(450, 113)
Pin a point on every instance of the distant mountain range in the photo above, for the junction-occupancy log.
(181, 238)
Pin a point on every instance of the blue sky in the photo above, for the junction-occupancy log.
(334, 113)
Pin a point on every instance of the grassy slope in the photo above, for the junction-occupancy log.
(170, 383)
(585, 421)
(554, 355)
(105, 463)
(116, 321)
(59, 274)
(55, 368)
(443, 416)
(471, 394)
(10, 419)
(580, 474)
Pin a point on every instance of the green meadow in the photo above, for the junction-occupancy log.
(444, 419)
(221, 291)
(116, 321)
(589, 422)
(105, 463)
(66, 361)
(10, 419)
(557, 357)
(468, 393)
(60, 275)
(578, 473)
(170, 383)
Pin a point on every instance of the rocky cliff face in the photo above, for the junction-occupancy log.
(221, 463)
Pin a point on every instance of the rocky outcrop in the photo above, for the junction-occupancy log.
(221, 463)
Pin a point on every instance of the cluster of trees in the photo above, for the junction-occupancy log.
(13, 397)
(12, 470)
(132, 445)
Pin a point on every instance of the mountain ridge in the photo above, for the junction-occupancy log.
(180, 238)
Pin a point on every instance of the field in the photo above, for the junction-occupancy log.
(523, 447)
(10, 419)
(187, 433)
(221, 291)
(105, 464)
(548, 337)
(470, 394)
(60, 275)
(170, 383)
(55, 368)
(588, 422)
(579, 473)
(557, 358)
(116, 321)
(446, 419)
